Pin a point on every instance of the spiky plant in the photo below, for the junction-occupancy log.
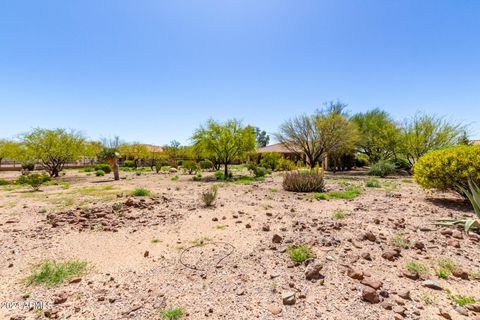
(473, 194)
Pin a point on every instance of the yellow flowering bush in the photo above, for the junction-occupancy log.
(449, 169)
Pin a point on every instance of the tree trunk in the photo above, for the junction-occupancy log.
(226, 171)
(116, 174)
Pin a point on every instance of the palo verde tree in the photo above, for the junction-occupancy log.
(328, 131)
(54, 148)
(224, 142)
(379, 135)
(423, 133)
(8, 150)
(134, 151)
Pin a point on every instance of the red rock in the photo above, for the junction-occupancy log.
(375, 284)
(370, 295)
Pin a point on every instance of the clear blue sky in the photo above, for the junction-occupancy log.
(152, 71)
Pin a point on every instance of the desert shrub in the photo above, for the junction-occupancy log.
(197, 177)
(28, 165)
(221, 176)
(372, 183)
(104, 167)
(190, 166)
(402, 164)
(88, 169)
(382, 169)
(130, 164)
(350, 193)
(261, 171)
(141, 192)
(209, 196)
(99, 173)
(449, 169)
(4, 182)
(270, 160)
(360, 160)
(52, 273)
(299, 253)
(304, 181)
(34, 180)
(206, 164)
(172, 314)
(285, 165)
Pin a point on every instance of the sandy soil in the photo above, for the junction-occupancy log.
(230, 261)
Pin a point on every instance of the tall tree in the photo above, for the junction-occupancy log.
(423, 133)
(54, 148)
(329, 131)
(262, 137)
(224, 141)
(7, 150)
(134, 151)
(379, 135)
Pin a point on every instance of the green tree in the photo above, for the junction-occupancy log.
(54, 148)
(134, 151)
(261, 137)
(8, 150)
(329, 131)
(379, 135)
(224, 142)
(423, 133)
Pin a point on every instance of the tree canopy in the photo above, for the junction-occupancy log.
(53, 148)
(224, 142)
(379, 135)
(329, 131)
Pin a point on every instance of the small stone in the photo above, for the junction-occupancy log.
(369, 236)
(399, 310)
(445, 314)
(145, 254)
(391, 255)
(277, 239)
(288, 298)
(60, 298)
(274, 309)
(462, 274)
(370, 295)
(473, 307)
(313, 272)
(432, 285)
(355, 274)
(410, 275)
(265, 227)
(75, 280)
(419, 245)
(461, 310)
(457, 234)
(366, 256)
(375, 284)
(453, 243)
(405, 294)
(387, 305)
(248, 226)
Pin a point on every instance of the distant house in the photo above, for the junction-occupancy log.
(281, 149)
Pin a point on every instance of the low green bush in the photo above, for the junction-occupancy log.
(360, 161)
(304, 181)
(88, 169)
(190, 167)
(106, 168)
(261, 171)
(141, 192)
(449, 169)
(206, 164)
(372, 183)
(382, 169)
(28, 165)
(34, 180)
(99, 173)
(4, 182)
(285, 165)
(270, 160)
(130, 164)
(221, 176)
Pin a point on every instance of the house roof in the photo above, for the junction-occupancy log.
(475, 142)
(278, 148)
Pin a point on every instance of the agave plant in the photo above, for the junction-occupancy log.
(466, 223)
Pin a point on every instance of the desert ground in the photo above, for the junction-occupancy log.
(231, 261)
